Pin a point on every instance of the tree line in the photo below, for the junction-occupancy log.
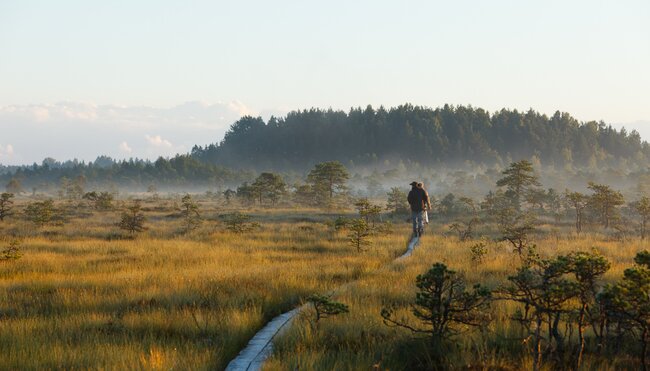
(416, 134)
(180, 170)
(393, 140)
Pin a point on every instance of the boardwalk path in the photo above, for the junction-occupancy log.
(259, 348)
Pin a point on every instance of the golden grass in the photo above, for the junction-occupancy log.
(77, 300)
(361, 341)
(87, 296)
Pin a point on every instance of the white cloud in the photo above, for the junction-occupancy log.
(158, 141)
(6, 152)
(41, 114)
(240, 107)
(69, 130)
(124, 147)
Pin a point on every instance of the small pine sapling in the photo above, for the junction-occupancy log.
(478, 251)
(324, 306)
(444, 305)
(238, 223)
(133, 219)
(359, 234)
(190, 214)
(11, 252)
(6, 205)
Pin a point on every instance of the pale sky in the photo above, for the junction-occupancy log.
(117, 75)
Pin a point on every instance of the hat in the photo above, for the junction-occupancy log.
(413, 183)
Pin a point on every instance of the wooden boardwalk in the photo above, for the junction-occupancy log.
(259, 348)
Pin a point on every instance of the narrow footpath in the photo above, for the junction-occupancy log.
(260, 347)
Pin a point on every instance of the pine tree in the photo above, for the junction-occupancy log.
(6, 205)
(605, 201)
(396, 202)
(133, 219)
(190, 213)
(578, 201)
(327, 179)
(519, 179)
(642, 207)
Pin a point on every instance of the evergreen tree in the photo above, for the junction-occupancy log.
(327, 179)
(269, 186)
(519, 179)
(604, 202)
(101, 201)
(396, 202)
(40, 212)
(132, 219)
(6, 205)
(642, 207)
(587, 268)
(11, 252)
(444, 305)
(578, 201)
(359, 232)
(238, 223)
(190, 213)
(324, 306)
(628, 302)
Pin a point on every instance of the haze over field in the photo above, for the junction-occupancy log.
(133, 65)
(340, 185)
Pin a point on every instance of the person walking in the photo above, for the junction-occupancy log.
(416, 201)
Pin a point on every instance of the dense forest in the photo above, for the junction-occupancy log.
(180, 170)
(378, 146)
(414, 134)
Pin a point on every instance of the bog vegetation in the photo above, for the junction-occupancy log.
(512, 273)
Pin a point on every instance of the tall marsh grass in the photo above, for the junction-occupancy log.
(360, 340)
(87, 296)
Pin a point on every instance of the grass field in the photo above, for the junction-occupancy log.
(360, 340)
(80, 298)
(86, 295)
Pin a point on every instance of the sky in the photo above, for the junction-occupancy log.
(149, 78)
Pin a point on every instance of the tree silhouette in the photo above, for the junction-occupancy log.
(628, 302)
(579, 202)
(6, 205)
(444, 305)
(132, 219)
(604, 201)
(270, 186)
(101, 201)
(359, 232)
(328, 178)
(40, 212)
(519, 178)
(642, 207)
(545, 292)
(325, 306)
(587, 268)
(396, 202)
(11, 252)
(190, 213)
(238, 223)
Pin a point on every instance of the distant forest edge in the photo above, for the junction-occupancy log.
(400, 138)
(414, 134)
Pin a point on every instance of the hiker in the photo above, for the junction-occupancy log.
(416, 200)
(427, 203)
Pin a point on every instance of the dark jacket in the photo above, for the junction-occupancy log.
(416, 199)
